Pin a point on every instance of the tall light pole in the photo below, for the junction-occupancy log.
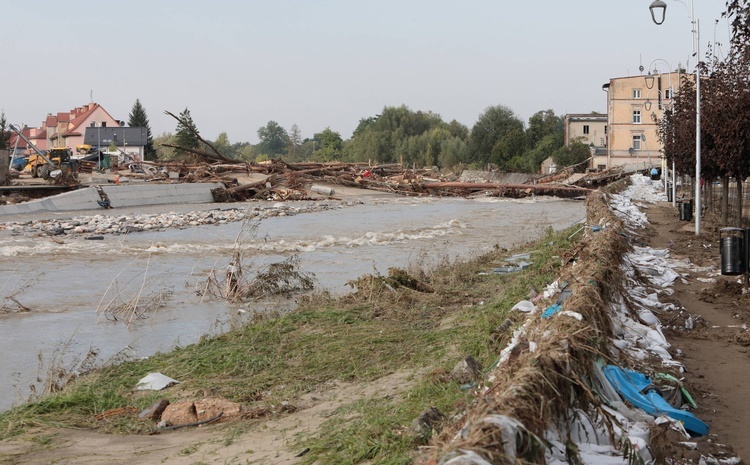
(650, 84)
(658, 15)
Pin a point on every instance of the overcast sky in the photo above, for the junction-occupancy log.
(238, 64)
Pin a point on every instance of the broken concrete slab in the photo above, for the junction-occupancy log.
(118, 196)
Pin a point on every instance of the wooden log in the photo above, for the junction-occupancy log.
(488, 185)
(253, 185)
(202, 153)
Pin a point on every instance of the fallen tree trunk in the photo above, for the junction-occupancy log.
(253, 185)
(539, 189)
(202, 153)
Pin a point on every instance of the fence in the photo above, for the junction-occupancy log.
(712, 194)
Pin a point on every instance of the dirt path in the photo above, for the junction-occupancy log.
(716, 351)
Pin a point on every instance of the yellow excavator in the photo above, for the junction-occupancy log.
(83, 149)
(44, 166)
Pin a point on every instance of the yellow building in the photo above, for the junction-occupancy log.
(589, 129)
(635, 105)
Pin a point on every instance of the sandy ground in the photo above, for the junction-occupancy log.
(715, 354)
(256, 442)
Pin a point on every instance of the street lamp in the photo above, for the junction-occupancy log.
(661, 97)
(658, 10)
(649, 78)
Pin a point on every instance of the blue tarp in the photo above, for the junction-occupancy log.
(637, 389)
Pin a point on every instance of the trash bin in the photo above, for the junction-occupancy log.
(669, 193)
(686, 209)
(733, 254)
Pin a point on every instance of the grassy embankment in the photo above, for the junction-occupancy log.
(379, 330)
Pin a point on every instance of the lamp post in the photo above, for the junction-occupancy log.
(649, 78)
(658, 14)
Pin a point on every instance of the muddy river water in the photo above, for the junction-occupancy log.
(58, 293)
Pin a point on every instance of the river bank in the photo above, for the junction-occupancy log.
(360, 354)
(341, 381)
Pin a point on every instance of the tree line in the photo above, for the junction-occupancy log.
(724, 113)
(499, 139)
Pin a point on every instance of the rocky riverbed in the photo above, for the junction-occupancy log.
(101, 224)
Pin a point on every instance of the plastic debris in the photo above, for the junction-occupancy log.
(551, 310)
(511, 269)
(638, 389)
(575, 315)
(525, 306)
(155, 382)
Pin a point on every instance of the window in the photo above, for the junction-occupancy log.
(636, 93)
(637, 142)
(602, 142)
(605, 130)
(668, 94)
(585, 128)
(636, 116)
(104, 124)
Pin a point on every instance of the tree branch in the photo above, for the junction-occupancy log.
(195, 133)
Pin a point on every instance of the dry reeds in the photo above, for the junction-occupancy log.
(236, 284)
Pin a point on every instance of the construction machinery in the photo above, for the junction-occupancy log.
(46, 166)
(83, 149)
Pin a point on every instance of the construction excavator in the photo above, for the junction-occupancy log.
(50, 165)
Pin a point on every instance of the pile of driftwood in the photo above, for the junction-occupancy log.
(279, 180)
(291, 181)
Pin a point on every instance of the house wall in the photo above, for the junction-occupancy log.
(574, 129)
(574, 126)
(626, 96)
(548, 166)
(98, 116)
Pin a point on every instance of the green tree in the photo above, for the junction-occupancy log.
(496, 125)
(246, 152)
(453, 153)
(4, 132)
(542, 124)
(165, 153)
(273, 139)
(225, 147)
(509, 148)
(390, 137)
(295, 142)
(138, 119)
(329, 147)
(185, 135)
(458, 130)
(545, 148)
(574, 153)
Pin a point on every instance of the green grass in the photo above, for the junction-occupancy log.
(353, 339)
